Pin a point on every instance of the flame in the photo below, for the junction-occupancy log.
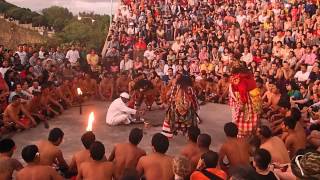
(79, 91)
(90, 121)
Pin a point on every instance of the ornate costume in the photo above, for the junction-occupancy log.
(182, 111)
(245, 102)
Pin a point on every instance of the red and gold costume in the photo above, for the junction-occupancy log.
(245, 102)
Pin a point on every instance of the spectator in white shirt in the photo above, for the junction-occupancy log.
(4, 68)
(168, 66)
(73, 56)
(22, 55)
(35, 87)
(247, 56)
(303, 74)
(42, 53)
(119, 113)
(241, 18)
(263, 17)
(126, 64)
(176, 45)
(149, 53)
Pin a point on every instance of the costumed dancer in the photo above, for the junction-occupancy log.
(182, 110)
(245, 101)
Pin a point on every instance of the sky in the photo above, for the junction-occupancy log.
(96, 6)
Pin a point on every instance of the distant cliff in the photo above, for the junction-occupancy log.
(11, 35)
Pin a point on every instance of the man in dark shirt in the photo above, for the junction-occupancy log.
(261, 162)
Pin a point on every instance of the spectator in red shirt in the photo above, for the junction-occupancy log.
(140, 45)
(257, 57)
(207, 168)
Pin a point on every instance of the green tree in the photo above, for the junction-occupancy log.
(76, 31)
(15, 13)
(57, 17)
(39, 21)
(86, 32)
(4, 6)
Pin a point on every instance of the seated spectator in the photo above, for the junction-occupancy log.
(93, 60)
(157, 165)
(21, 93)
(126, 155)
(33, 170)
(207, 168)
(81, 156)
(8, 165)
(293, 141)
(203, 142)
(303, 74)
(15, 115)
(305, 99)
(126, 64)
(223, 88)
(34, 108)
(35, 87)
(278, 151)
(50, 154)
(314, 136)
(190, 150)
(235, 150)
(98, 168)
(181, 168)
(261, 163)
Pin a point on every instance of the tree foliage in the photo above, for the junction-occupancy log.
(57, 17)
(68, 28)
(86, 32)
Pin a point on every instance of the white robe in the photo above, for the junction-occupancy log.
(119, 113)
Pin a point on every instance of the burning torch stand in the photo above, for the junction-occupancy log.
(80, 105)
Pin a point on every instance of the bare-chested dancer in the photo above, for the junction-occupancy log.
(97, 168)
(56, 101)
(33, 169)
(211, 91)
(294, 141)
(83, 155)
(34, 108)
(278, 151)
(157, 165)
(203, 142)
(8, 164)
(127, 155)
(47, 102)
(50, 154)
(122, 83)
(64, 93)
(90, 86)
(223, 88)
(236, 150)
(16, 115)
(191, 149)
(106, 87)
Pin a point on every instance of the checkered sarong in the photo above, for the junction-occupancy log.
(243, 115)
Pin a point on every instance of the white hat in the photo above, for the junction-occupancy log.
(125, 95)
